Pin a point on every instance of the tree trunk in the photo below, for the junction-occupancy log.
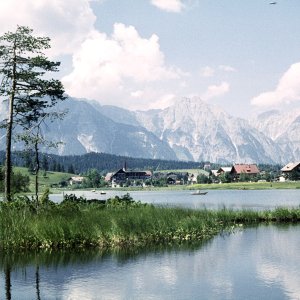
(9, 128)
(8, 169)
(37, 169)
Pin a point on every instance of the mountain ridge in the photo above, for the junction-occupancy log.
(188, 130)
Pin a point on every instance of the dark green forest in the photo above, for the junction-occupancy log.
(103, 162)
(100, 161)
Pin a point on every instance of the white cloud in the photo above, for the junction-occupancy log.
(137, 94)
(216, 91)
(122, 69)
(287, 90)
(66, 22)
(227, 68)
(163, 102)
(111, 67)
(207, 72)
(169, 5)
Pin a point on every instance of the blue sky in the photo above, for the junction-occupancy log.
(241, 55)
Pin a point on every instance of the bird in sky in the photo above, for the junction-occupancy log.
(273, 2)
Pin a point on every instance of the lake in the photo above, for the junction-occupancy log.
(214, 199)
(253, 263)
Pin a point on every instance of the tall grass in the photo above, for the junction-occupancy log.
(119, 223)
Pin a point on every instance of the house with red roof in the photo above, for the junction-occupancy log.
(251, 170)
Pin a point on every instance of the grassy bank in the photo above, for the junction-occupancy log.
(250, 185)
(120, 222)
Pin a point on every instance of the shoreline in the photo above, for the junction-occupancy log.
(120, 223)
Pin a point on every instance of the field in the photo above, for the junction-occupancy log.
(249, 185)
(51, 178)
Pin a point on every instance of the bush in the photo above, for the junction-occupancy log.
(19, 183)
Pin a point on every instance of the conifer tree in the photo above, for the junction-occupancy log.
(28, 92)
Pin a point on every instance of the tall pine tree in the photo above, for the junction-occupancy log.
(24, 86)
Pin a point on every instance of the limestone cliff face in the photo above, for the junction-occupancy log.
(190, 129)
(198, 131)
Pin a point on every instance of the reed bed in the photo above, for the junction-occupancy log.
(119, 223)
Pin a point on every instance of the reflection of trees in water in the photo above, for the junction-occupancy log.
(7, 273)
(20, 261)
(37, 282)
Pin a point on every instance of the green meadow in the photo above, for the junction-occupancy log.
(46, 179)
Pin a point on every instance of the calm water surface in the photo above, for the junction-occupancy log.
(254, 263)
(214, 199)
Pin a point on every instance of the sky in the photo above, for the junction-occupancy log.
(243, 56)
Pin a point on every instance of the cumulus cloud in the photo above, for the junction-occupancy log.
(175, 6)
(216, 91)
(210, 72)
(227, 68)
(287, 90)
(105, 66)
(66, 22)
(207, 72)
(122, 69)
(137, 94)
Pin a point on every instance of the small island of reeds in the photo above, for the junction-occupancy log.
(118, 222)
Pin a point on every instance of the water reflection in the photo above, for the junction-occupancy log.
(256, 263)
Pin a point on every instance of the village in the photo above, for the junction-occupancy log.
(125, 177)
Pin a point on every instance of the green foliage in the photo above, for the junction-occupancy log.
(159, 182)
(22, 52)
(293, 175)
(244, 177)
(93, 179)
(125, 201)
(105, 163)
(29, 93)
(121, 222)
(19, 182)
(1, 179)
(225, 177)
(71, 169)
(203, 179)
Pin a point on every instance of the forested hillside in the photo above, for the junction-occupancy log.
(100, 161)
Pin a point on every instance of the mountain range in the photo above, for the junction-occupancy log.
(190, 129)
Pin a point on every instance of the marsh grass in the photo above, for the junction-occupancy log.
(119, 223)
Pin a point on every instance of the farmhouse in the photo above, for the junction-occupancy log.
(76, 180)
(250, 170)
(291, 170)
(223, 170)
(123, 175)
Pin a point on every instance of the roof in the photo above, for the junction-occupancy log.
(290, 166)
(77, 178)
(130, 172)
(214, 172)
(224, 169)
(203, 172)
(246, 168)
(108, 176)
